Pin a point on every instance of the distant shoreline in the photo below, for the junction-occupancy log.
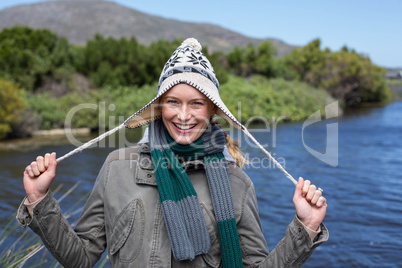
(61, 131)
(42, 138)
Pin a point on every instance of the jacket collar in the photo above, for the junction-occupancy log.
(145, 140)
(145, 171)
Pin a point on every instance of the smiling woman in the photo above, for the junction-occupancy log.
(186, 113)
(177, 199)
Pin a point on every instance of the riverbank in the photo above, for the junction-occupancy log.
(76, 137)
(62, 131)
(43, 138)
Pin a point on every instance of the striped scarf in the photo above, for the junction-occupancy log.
(181, 209)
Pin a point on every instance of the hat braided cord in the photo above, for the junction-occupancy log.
(110, 132)
(269, 155)
(90, 143)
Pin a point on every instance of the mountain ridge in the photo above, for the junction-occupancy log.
(81, 20)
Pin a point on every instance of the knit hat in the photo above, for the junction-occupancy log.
(189, 66)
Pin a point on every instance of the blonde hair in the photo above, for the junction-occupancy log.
(233, 146)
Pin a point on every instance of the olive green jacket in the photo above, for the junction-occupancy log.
(123, 213)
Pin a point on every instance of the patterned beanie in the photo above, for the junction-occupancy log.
(187, 65)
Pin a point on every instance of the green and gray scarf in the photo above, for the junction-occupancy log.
(182, 212)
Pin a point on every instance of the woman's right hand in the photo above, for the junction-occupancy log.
(38, 176)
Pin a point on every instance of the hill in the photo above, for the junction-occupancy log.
(79, 21)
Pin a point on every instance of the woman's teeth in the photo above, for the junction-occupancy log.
(184, 127)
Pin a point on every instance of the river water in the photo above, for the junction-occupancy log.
(363, 190)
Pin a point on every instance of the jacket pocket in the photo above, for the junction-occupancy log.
(128, 232)
(213, 257)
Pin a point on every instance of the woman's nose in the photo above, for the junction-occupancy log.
(184, 113)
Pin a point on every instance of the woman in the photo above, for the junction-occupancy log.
(179, 198)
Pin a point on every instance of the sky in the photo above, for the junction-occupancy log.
(370, 27)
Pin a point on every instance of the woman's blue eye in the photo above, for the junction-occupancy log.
(172, 101)
(198, 103)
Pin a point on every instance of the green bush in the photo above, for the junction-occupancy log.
(395, 87)
(53, 112)
(47, 110)
(113, 104)
(346, 75)
(12, 105)
(126, 101)
(272, 99)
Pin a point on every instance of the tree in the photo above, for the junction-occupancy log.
(123, 62)
(159, 53)
(346, 75)
(27, 55)
(220, 65)
(352, 78)
(307, 59)
(266, 64)
(249, 60)
(235, 60)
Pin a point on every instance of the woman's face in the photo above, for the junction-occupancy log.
(186, 113)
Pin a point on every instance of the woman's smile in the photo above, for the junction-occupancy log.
(184, 127)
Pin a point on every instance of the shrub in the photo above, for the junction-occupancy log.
(272, 99)
(347, 75)
(12, 105)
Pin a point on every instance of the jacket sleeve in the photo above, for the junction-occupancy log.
(81, 247)
(292, 251)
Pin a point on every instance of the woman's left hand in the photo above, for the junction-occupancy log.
(310, 205)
